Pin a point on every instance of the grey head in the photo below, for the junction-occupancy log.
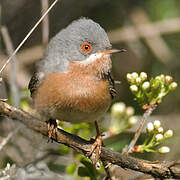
(72, 43)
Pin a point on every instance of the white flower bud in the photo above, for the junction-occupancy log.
(164, 149)
(145, 85)
(162, 76)
(159, 137)
(168, 79)
(134, 88)
(129, 111)
(138, 80)
(173, 86)
(157, 124)
(143, 76)
(168, 133)
(132, 120)
(117, 109)
(160, 130)
(129, 77)
(158, 78)
(150, 127)
(134, 75)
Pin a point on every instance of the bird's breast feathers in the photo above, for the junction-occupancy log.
(82, 94)
(59, 95)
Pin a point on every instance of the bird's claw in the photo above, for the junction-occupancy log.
(94, 153)
(52, 129)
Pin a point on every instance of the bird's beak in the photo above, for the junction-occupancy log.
(112, 51)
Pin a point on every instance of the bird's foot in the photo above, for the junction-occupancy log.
(94, 153)
(52, 129)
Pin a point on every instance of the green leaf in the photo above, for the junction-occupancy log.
(71, 168)
(64, 149)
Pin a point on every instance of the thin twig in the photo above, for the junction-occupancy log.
(27, 36)
(13, 72)
(146, 114)
(45, 22)
(157, 169)
(6, 139)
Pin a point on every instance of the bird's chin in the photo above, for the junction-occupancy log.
(93, 57)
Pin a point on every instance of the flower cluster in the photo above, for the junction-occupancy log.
(123, 117)
(155, 136)
(150, 92)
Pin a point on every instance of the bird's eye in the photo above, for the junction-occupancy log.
(86, 47)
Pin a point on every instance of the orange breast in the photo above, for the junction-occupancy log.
(76, 93)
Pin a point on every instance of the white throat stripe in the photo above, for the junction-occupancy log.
(92, 58)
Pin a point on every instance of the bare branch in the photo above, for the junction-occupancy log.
(156, 169)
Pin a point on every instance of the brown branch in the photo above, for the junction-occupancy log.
(163, 169)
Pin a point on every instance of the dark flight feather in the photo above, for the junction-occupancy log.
(112, 89)
(35, 82)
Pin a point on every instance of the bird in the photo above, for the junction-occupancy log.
(73, 81)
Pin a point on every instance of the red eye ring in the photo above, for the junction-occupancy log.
(86, 47)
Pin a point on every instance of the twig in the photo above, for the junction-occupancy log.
(157, 169)
(45, 22)
(27, 36)
(13, 72)
(146, 114)
(6, 139)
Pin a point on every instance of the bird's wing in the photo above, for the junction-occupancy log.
(112, 89)
(35, 82)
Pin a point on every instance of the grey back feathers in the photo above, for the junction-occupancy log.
(66, 45)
